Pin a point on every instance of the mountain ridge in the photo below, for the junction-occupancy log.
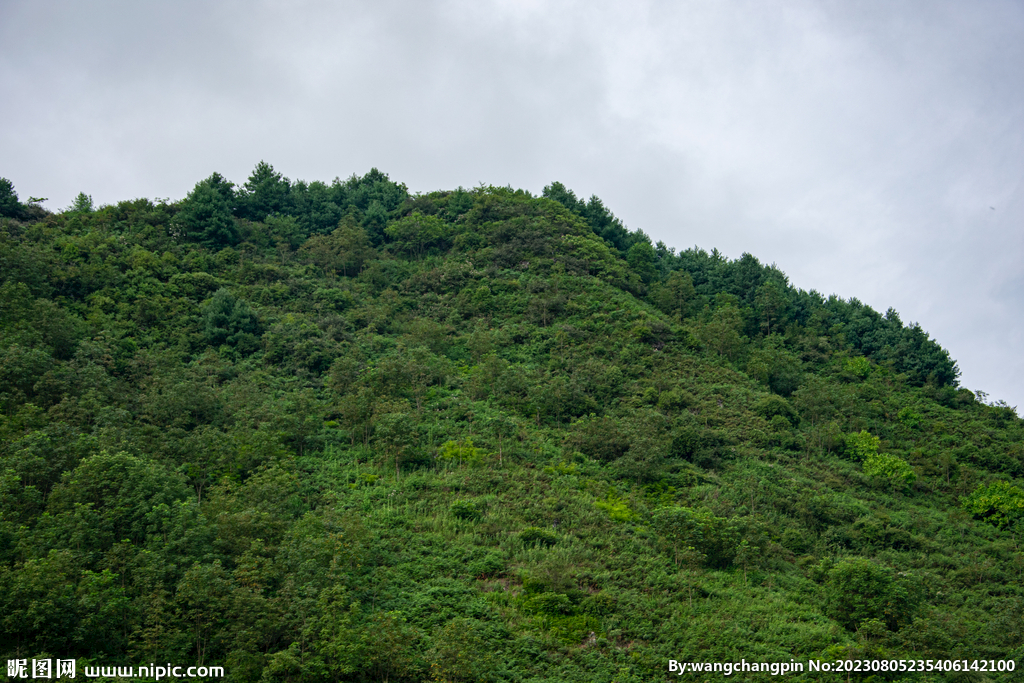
(472, 435)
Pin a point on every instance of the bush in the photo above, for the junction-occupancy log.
(908, 417)
(552, 604)
(601, 438)
(617, 508)
(686, 444)
(696, 533)
(599, 605)
(465, 510)
(535, 536)
(862, 445)
(230, 321)
(776, 367)
(857, 367)
(674, 401)
(462, 452)
(772, 406)
(1000, 504)
(896, 471)
(858, 589)
(490, 565)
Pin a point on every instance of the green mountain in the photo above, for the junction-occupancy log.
(312, 432)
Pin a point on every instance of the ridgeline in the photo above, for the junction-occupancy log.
(311, 431)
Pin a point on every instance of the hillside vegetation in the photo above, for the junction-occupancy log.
(312, 432)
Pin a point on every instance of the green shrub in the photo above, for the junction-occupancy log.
(1000, 503)
(772, 406)
(465, 510)
(490, 564)
(696, 533)
(673, 400)
(230, 321)
(908, 417)
(552, 604)
(862, 444)
(857, 589)
(857, 367)
(686, 444)
(896, 471)
(601, 438)
(775, 367)
(535, 536)
(600, 604)
(617, 508)
(795, 541)
(462, 451)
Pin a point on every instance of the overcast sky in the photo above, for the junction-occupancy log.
(869, 149)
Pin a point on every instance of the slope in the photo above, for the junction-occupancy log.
(314, 431)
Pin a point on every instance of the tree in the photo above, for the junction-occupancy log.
(317, 206)
(285, 231)
(776, 367)
(375, 219)
(891, 469)
(209, 455)
(820, 401)
(390, 647)
(564, 196)
(346, 249)
(502, 428)
(770, 300)
(857, 590)
(462, 451)
(643, 261)
(205, 214)
(395, 432)
(676, 295)
(82, 204)
(722, 333)
(772, 406)
(357, 414)
(602, 438)
(105, 610)
(109, 497)
(10, 207)
(417, 232)
(862, 445)
(857, 367)
(686, 529)
(999, 503)
(202, 602)
(38, 603)
(648, 434)
(265, 192)
(460, 653)
(230, 321)
(332, 630)
(604, 223)
(746, 555)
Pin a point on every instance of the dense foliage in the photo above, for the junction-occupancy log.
(316, 431)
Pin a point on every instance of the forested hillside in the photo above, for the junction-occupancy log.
(340, 432)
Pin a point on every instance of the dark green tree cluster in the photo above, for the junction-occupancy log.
(602, 221)
(10, 207)
(206, 214)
